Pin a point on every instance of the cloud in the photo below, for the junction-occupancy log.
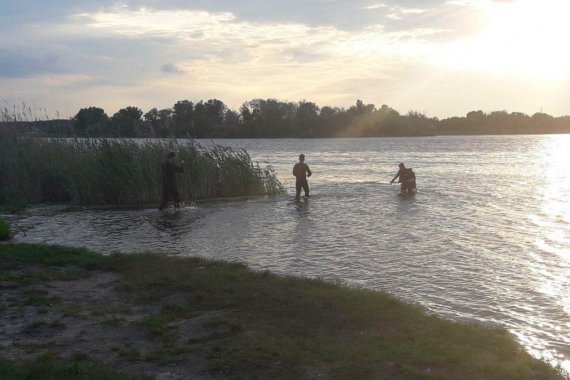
(343, 15)
(20, 65)
(170, 68)
(237, 50)
(22, 13)
(327, 51)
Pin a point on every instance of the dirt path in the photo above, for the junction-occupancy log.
(87, 317)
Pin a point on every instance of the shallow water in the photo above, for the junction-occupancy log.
(487, 236)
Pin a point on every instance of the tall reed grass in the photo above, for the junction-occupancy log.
(123, 172)
(24, 113)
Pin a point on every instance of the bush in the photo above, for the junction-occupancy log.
(5, 231)
(12, 202)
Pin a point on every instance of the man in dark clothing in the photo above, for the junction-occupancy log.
(168, 170)
(301, 171)
(407, 179)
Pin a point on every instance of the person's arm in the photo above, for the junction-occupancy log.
(308, 171)
(180, 168)
(395, 177)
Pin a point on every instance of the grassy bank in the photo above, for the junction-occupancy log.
(121, 172)
(231, 322)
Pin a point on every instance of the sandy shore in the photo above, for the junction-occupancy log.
(88, 317)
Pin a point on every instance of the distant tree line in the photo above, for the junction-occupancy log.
(273, 118)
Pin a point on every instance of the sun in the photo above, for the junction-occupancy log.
(524, 38)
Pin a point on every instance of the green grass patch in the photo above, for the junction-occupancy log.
(53, 367)
(263, 325)
(17, 256)
(31, 263)
(128, 352)
(161, 323)
(5, 230)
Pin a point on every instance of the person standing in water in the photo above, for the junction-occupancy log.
(301, 171)
(168, 170)
(407, 179)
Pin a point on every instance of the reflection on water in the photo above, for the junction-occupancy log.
(175, 222)
(487, 236)
(302, 206)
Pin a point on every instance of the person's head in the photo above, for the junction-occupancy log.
(171, 155)
(301, 158)
(402, 166)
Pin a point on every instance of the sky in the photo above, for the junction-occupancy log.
(439, 57)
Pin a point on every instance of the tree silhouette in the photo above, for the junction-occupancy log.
(275, 118)
(129, 123)
(183, 117)
(92, 121)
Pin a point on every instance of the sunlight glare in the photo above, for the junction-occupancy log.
(524, 37)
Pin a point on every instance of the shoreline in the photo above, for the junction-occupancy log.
(170, 317)
(69, 207)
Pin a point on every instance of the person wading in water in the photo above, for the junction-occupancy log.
(301, 171)
(407, 179)
(168, 170)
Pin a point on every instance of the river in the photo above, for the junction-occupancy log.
(486, 238)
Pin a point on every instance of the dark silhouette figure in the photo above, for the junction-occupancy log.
(168, 169)
(407, 179)
(301, 171)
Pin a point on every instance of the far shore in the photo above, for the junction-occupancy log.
(68, 312)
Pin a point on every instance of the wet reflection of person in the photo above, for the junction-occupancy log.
(301, 171)
(168, 170)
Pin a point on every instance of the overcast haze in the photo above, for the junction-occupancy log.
(442, 58)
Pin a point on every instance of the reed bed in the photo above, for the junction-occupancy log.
(123, 172)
